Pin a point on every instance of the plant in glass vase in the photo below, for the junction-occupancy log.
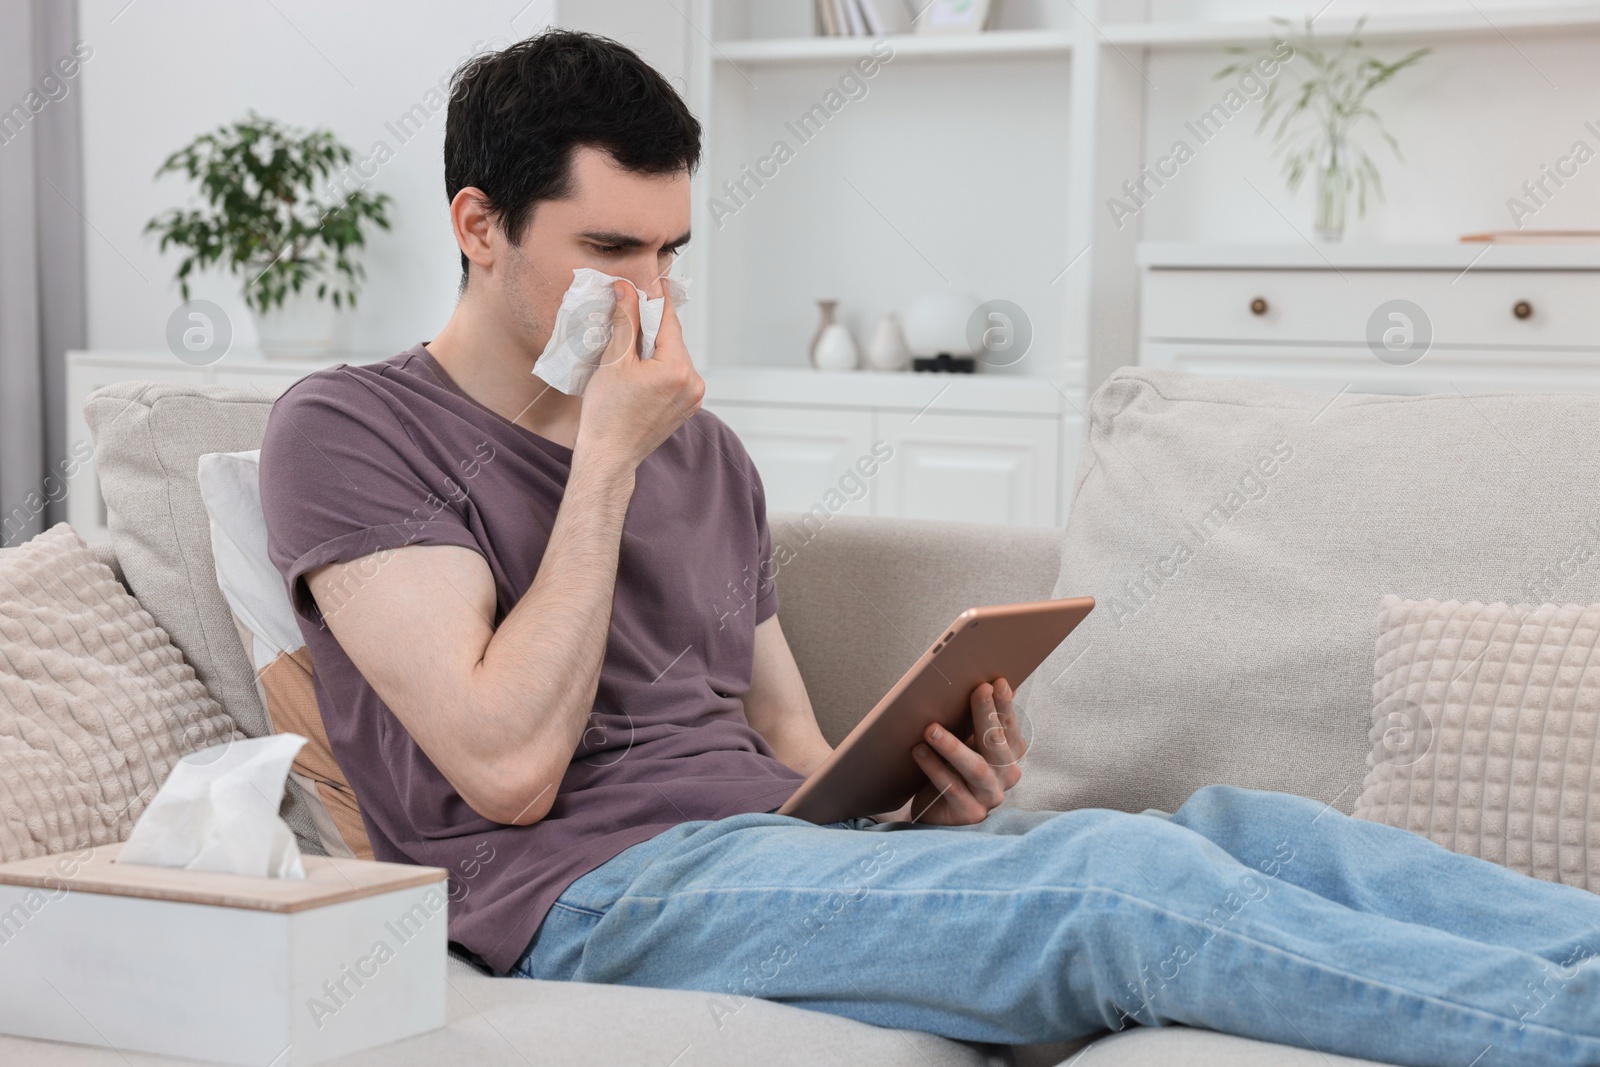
(1320, 115)
(264, 221)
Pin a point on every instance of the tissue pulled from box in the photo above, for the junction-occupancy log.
(582, 328)
(218, 811)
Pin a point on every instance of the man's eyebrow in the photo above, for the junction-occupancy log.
(627, 240)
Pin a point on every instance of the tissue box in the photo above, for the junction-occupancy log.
(221, 967)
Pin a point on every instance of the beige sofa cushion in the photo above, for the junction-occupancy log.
(148, 439)
(1484, 725)
(1239, 538)
(96, 705)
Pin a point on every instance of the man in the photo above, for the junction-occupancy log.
(516, 601)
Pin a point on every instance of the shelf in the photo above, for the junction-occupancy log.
(772, 51)
(1004, 394)
(1468, 22)
(1452, 257)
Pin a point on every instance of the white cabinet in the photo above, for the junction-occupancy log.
(807, 458)
(971, 468)
(964, 448)
(1379, 318)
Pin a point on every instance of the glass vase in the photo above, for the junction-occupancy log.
(1333, 186)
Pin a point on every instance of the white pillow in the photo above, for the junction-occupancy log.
(230, 486)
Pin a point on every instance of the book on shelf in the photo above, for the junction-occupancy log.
(852, 12)
(1532, 237)
(825, 26)
(862, 18)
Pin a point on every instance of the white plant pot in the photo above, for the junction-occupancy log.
(303, 328)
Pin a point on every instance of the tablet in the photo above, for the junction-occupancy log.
(872, 770)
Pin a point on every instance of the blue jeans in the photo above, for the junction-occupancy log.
(1250, 912)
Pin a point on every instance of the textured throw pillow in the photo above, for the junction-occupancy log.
(96, 703)
(230, 484)
(148, 439)
(1238, 537)
(1484, 726)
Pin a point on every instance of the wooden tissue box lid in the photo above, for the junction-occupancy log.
(328, 880)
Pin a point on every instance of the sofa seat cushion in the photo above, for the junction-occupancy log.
(1239, 538)
(514, 1022)
(1182, 1046)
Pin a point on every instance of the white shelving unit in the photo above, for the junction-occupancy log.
(1484, 20)
(982, 162)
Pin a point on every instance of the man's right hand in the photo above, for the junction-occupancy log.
(631, 405)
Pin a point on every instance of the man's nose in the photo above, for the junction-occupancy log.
(646, 278)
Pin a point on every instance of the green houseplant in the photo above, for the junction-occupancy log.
(1320, 117)
(283, 212)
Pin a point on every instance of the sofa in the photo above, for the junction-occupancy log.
(861, 597)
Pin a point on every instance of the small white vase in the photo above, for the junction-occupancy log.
(836, 349)
(886, 349)
(302, 328)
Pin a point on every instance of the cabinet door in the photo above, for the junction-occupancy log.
(971, 468)
(807, 457)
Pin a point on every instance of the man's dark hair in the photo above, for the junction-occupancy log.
(516, 115)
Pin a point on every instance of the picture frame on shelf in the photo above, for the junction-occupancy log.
(952, 16)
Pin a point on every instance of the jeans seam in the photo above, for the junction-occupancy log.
(1469, 1009)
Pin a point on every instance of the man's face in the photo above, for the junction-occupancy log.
(625, 224)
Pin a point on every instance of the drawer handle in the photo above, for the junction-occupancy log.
(1258, 306)
(1522, 309)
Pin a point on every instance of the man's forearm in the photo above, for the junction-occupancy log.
(539, 673)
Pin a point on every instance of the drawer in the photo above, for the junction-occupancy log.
(1331, 369)
(1472, 309)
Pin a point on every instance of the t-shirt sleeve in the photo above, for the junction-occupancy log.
(766, 564)
(341, 479)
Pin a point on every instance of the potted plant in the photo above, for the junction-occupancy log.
(273, 219)
(1320, 118)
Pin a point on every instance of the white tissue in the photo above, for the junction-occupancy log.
(218, 811)
(583, 327)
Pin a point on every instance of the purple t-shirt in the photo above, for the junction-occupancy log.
(361, 459)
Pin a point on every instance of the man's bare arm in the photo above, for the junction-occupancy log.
(777, 705)
(501, 712)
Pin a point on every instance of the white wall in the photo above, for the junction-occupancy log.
(166, 70)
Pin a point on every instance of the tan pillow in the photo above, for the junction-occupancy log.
(96, 703)
(1484, 730)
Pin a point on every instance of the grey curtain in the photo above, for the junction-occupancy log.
(41, 257)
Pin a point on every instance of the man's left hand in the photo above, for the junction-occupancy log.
(968, 779)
